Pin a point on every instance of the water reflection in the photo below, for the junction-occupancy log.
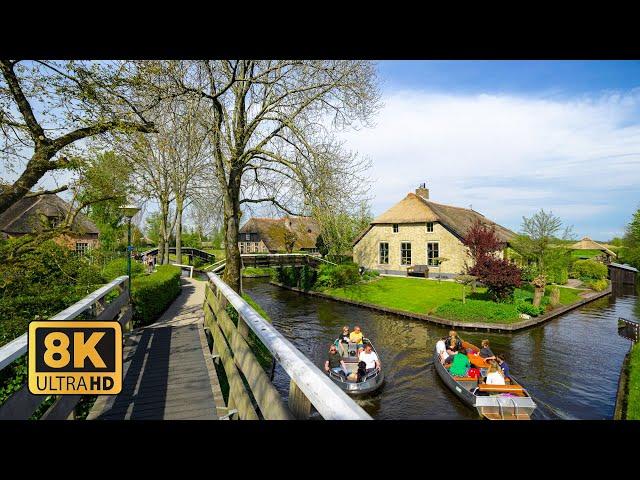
(570, 365)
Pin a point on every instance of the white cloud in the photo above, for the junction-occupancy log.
(507, 155)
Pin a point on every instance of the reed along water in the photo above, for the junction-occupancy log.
(570, 365)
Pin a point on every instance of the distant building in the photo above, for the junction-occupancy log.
(417, 231)
(34, 214)
(586, 243)
(272, 235)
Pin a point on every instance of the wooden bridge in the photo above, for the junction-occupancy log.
(175, 368)
(188, 251)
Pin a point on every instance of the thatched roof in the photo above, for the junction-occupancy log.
(416, 209)
(27, 216)
(587, 244)
(272, 231)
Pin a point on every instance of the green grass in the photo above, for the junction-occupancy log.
(257, 272)
(633, 398)
(585, 253)
(443, 299)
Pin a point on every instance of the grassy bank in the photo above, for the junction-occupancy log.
(633, 398)
(251, 272)
(442, 299)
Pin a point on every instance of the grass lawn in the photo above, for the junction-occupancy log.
(443, 299)
(633, 399)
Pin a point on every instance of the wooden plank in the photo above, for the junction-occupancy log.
(112, 311)
(63, 408)
(20, 405)
(238, 396)
(299, 404)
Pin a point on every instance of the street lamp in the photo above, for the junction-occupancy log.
(129, 211)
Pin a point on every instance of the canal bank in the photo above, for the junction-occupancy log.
(462, 325)
(550, 359)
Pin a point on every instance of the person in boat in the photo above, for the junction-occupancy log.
(453, 342)
(335, 363)
(460, 364)
(370, 358)
(504, 366)
(494, 374)
(356, 337)
(441, 349)
(361, 374)
(343, 341)
(485, 352)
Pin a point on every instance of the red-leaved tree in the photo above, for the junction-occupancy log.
(499, 275)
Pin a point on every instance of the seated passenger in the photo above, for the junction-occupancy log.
(356, 337)
(460, 364)
(485, 351)
(369, 357)
(453, 342)
(441, 349)
(343, 341)
(494, 374)
(335, 363)
(503, 365)
(361, 374)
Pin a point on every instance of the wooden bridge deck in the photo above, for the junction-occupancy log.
(168, 372)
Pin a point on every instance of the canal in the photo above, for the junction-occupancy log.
(570, 365)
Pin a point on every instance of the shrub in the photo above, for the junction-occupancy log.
(529, 272)
(288, 276)
(501, 276)
(529, 308)
(308, 277)
(478, 311)
(198, 262)
(336, 276)
(118, 267)
(152, 294)
(589, 270)
(597, 285)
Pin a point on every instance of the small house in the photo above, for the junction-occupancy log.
(279, 235)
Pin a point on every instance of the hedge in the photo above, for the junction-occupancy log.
(152, 294)
(589, 270)
(118, 267)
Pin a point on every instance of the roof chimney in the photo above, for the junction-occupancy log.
(423, 191)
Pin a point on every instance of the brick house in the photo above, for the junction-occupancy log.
(34, 214)
(271, 235)
(417, 231)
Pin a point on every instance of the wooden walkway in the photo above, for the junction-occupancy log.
(168, 372)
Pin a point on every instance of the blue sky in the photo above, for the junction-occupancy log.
(510, 137)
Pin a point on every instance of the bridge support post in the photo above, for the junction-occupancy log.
(299, 404)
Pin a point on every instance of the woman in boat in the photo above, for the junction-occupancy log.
(343, 341)
(335, 363)
(453, 343)
(494, 374)
(460, 364)
(441, 348)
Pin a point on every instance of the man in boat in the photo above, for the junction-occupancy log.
(503, 365)
(369, 357)
(356, 337)
(485, 352)
(441, 349)
(335, 362)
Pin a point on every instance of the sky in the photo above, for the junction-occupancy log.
(509, 138)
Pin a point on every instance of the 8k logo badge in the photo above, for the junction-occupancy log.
(75, 358)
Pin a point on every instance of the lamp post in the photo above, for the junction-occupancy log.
(129, 211)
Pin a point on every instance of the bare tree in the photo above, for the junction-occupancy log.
(46, 107)
(270, 123)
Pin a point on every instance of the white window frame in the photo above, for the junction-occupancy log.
(410, 253)
(438, 244)
(430, 224)
(84, 250)
(379, 253)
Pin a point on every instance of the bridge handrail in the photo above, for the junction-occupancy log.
(328, 399)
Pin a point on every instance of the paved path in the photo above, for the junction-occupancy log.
(168, 372)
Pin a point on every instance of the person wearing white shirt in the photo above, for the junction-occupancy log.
(441, 350)
(494, 375)
(369, 357)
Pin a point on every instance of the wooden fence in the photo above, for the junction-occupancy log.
(251, 392)
(96, 306)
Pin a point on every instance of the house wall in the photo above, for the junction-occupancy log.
(253, 247)
(366, 251)
(69, 241)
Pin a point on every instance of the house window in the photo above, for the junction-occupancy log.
(429, 227)
(54, 222)
(433, 252)
(384, 253)
(81, 248)
(396, 228)
(247, 237)
(405, 253)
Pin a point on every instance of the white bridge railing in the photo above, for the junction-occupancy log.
(309, 385)
(22, 403)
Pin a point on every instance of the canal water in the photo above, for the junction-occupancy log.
(569, 365)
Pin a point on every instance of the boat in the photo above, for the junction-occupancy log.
(494, 402)
(372, 382)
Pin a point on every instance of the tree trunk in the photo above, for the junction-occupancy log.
(537, 296)
(160, 251)
(555, 296)
(231, 205)
(179, 208)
